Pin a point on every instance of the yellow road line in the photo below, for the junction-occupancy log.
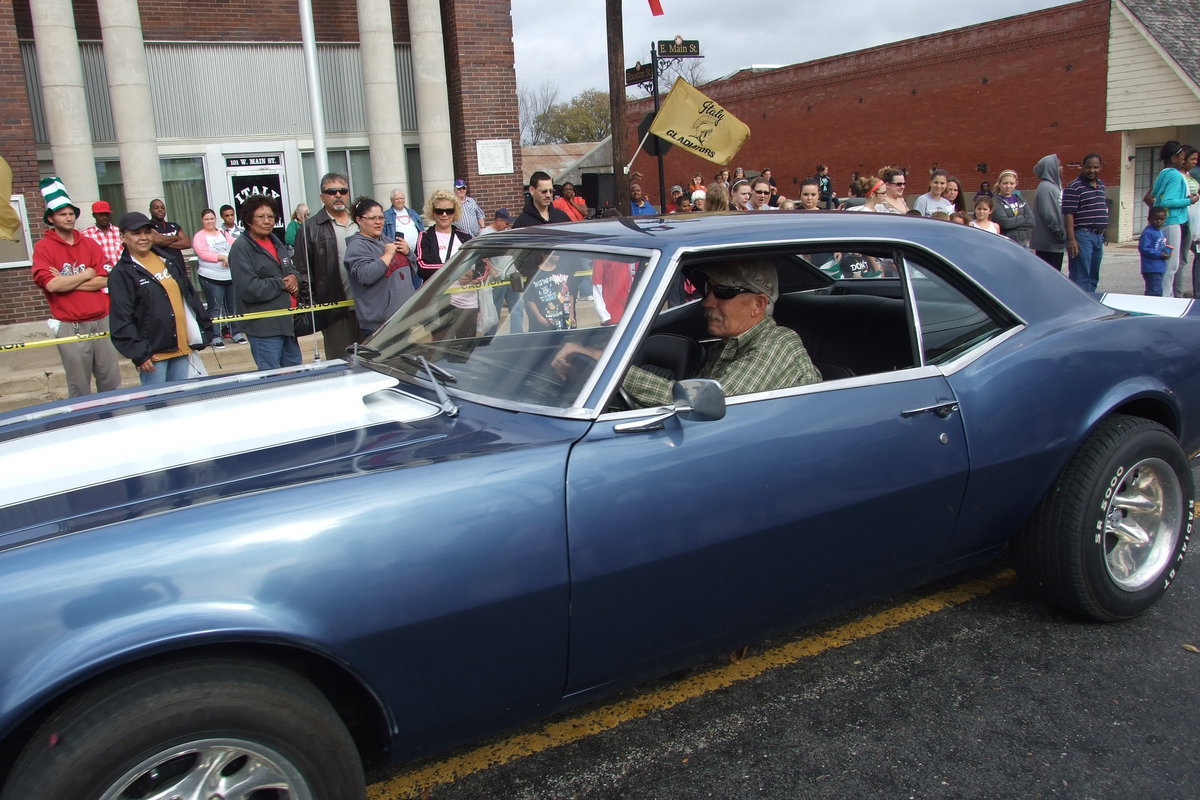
(419, 782)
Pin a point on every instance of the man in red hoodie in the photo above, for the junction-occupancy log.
(69, 269)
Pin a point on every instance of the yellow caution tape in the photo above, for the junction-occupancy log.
(83, 337)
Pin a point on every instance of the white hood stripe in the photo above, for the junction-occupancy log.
(104, 450)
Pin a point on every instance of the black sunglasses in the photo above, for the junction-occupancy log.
(443, 211)
(335, 191)
(723, 292)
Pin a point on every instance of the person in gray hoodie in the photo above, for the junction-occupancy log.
(1049, 235)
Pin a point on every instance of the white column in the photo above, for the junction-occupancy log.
(132, 107)
(433, 103)
(65, 101)
(377, 49)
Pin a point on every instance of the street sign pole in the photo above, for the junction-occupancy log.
(662, 185)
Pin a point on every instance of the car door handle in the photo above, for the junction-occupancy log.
(943, 410)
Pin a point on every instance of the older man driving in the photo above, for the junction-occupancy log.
(754, 354)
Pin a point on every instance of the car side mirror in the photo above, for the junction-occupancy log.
(696, 399)
(699, 399)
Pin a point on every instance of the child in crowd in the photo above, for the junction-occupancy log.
(1154, 250)
(960, 218)
(983, 216)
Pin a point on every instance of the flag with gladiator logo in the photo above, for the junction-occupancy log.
(699, 125)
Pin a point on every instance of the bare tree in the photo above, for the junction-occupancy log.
(690, 69)
(534, 106)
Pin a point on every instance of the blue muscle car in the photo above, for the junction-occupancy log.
(249, 586)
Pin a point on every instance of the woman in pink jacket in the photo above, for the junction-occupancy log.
(212, 251)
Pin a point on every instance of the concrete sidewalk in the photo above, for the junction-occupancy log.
(31, 375)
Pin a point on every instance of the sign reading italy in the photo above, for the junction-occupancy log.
(699, 124)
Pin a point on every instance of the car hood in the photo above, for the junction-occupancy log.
(74, 465)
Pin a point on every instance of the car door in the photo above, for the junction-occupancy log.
(797, 501)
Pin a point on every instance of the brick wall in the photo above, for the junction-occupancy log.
(1003, 93)
(20, 299)
(483, 96)
(228, 20)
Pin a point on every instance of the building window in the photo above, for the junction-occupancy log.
(354, 164)
(184, 190)
(112, 188)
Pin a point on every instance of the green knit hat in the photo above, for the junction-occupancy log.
(56, 197)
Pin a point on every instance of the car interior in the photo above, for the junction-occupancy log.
(850, 309)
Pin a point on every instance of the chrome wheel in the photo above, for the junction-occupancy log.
(212, 769)
(1142, 524)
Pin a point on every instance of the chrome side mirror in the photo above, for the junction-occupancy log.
(697, 399)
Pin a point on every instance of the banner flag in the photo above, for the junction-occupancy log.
(656, 8)
(699, 125)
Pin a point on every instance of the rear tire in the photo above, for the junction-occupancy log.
(192, 729)
(1109, 537)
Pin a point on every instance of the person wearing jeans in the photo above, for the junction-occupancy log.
(1085, 216)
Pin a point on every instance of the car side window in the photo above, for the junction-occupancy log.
(952, 322)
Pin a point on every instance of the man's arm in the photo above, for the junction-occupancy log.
(69, 283)
(178, 240)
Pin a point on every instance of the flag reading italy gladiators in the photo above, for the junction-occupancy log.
(699, 125)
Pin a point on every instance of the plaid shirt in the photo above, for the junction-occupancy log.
(110, 242)
(763, 358)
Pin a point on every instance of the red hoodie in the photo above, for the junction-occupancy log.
(53, 257)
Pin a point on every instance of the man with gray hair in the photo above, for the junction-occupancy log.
(754, 354)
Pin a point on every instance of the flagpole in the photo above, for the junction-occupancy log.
(633, 158)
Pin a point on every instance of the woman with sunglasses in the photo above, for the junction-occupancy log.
(441, 239)
(378, 269)
(893, 197)
(875, 192)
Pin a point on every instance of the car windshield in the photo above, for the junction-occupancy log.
(492, 320)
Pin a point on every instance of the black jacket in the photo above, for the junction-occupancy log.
(530, 216)
(258, 286)
(316, 258)
(428, 258)
(141, 319)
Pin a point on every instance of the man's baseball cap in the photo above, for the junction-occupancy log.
(459, 183)
(677, 189)
(753, 274)
(101, 207)
(134, 221)
(504, 214)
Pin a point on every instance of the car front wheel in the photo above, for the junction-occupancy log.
(1109, 537)
(193, 730)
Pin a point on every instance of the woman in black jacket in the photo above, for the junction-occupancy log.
(156, 318)
(264, 281)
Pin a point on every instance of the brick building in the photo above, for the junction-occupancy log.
(1117, 78)
(416, 93)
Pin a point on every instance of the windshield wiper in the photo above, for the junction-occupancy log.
(420, 361)
(432, 372)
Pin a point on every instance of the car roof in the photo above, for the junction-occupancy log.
(1012, 274)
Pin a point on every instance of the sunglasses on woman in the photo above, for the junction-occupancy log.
(443, 211)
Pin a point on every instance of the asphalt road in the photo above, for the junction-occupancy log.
(996, 697)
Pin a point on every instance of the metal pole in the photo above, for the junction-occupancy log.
(616, 103)
(315, 107)
(662, 182)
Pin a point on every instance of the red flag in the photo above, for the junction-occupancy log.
(656, 8)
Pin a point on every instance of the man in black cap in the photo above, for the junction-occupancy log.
(157, 319)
